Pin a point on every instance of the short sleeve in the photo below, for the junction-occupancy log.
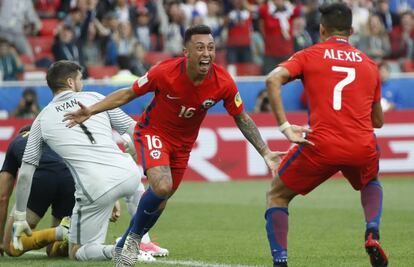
(13, 159)
(146, 83)
(232, 99)
(294, 65)
(33, 150)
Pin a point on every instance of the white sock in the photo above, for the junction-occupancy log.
(95, 252)
(60, 232)
(133, 200)
(146, 239)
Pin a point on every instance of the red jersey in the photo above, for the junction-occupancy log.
(240, 28)
(341, 84)
(275, 43)
(179, 106)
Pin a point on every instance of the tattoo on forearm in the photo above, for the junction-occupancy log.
(250, 131)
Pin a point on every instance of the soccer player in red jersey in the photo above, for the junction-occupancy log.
(343, 89)
(185, 88)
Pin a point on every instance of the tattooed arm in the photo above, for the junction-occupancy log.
(252, 134)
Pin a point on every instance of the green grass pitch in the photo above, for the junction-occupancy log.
(222, 224)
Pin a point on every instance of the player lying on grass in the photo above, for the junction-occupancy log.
(344, 94)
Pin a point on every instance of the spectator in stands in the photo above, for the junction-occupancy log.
(360, 13)
(103, 7)
(111, 21)
(389, 19)
(18, 19)
(138, 65)
(374, 40)
(124, 39)
(10, 65)
(47, 8)
(65, 46)
(301, 38)
(313, 17)
(239, 33)
(91, 47)
(28, 106)
(74, 20)
(191, 9)
(171, 26)
(389, 91)
(123, 11)
(124, 74)
(402, 37)
(141, 26)
(92, 40)
(276, 18)
(214, 19)
(262, 102)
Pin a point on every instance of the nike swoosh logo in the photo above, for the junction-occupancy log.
(173, 97)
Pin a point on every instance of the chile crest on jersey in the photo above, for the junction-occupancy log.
(208, 103)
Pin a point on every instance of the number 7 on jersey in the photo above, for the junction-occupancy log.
(337, 92)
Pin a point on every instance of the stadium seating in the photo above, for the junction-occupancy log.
(41, 46)
(48, 27)
(25, 59)
(248, 69)
(407, 65)
(102, 72)
(153, 57)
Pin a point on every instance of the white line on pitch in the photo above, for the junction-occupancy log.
(200, 263)
(191, 263)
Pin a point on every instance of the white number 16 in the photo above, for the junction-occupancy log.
(337, 92)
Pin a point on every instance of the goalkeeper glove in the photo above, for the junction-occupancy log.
(20, 226)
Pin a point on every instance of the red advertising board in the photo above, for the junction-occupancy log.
(222, 153)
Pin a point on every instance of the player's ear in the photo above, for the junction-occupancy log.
(322, 31)
(70, 82)
(185, 51)
(351, 31)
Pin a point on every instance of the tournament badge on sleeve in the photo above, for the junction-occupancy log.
(238, 100)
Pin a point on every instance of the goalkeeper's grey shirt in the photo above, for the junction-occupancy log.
(89, 150)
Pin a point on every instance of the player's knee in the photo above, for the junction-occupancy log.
(163, 189)
(277, 197)
(12, 252)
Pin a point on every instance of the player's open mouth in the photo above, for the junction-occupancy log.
(204, 65)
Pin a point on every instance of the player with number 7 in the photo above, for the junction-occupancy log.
(343, 89)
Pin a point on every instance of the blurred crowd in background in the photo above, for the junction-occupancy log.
(252, 36)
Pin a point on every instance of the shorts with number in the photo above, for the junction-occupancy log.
(89, 221)
(154, 150)
(302, 170)
(60, 189)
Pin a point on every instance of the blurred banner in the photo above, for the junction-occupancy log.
(222, 153)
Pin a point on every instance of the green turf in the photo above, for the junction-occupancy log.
(222, 223)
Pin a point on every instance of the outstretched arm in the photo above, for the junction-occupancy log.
(113, 100)
(252, 134)
(274, 82)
